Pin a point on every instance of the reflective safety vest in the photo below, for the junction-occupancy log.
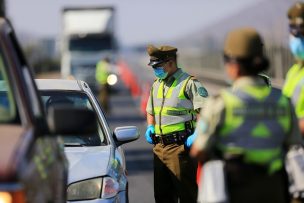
(257, 120)
(294, 87)
(102, 72)
(172, 108)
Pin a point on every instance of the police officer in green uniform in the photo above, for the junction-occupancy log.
(175, 100)
(249, 126)
(294, 84)
(101, 76)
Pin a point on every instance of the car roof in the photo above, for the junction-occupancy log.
(58, 84)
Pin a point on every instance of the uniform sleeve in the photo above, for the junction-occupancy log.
(294, 137)
(197, 93)
(211, 118)
(149, 109)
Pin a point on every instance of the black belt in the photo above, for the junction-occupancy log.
(176, 137)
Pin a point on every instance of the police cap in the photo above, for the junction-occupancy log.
(161, 54)
(296, 14)
(243, 43)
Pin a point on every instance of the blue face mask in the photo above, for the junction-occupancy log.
(160, 72)
(296, 45)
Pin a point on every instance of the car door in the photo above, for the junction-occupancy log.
(39, 167)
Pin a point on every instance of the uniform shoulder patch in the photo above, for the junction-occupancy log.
(202, 92)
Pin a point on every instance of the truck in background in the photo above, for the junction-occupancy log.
(88, 36)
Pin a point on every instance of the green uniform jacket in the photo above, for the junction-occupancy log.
(192, 90)
(212, 119)
(294, 88)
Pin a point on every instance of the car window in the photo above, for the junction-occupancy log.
(75, 99)
(8, 113)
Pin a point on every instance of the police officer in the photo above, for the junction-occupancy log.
(175, 99)
(249, 125)
(101, 76)
(294, 84)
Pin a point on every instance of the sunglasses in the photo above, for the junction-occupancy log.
(296, 30)
(228, 59)
(159, 64)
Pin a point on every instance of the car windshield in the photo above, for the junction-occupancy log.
(91, 43)
(75, 99)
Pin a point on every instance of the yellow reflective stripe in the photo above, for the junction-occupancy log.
(270, 157)
(275, 165)
(181, 94)
(172, 87)
(231, 122)
(261, 156)
(290, 79)
(166, 129)
(299, 106)
(261, 130)
(170, 90)
(160, 90)
(294, 75)
(259, 93)
(284, 121)
(101, 74)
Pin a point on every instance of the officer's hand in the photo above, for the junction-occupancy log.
(189, 141)
(149, 133)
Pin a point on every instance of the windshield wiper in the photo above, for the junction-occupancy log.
(73, 145)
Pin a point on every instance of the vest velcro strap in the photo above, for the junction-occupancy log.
(177, 112)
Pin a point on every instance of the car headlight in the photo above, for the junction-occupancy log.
(110, 188)
(105, 188)
(12, 196)
(112, 79)
(85, 190)
(6, 197)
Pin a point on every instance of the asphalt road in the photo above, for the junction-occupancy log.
(139, 155)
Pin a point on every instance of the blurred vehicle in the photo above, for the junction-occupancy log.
(33, 167)
(88, 36)
(97, 171)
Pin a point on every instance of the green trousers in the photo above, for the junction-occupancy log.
(174, 175)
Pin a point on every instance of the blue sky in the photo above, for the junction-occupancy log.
(138, 21)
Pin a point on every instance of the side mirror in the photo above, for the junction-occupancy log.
(65, 120)
(126, 134)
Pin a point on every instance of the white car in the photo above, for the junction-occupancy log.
(97, 168)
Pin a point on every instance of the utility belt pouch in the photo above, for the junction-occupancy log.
(189, 127)
(154, 139)
(212, 186)
(294, 165)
